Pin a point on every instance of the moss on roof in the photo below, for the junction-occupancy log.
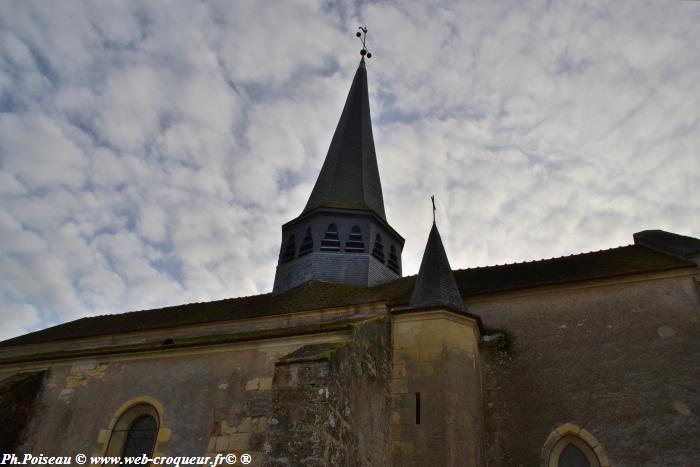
(313, 295)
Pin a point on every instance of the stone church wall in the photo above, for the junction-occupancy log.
(210, 400)
(437, 415)
(617, 360)
(331, 402)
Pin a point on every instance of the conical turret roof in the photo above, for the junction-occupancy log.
(435, 284)
(349, 178)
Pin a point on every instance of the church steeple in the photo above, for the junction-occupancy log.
(349, 178)
(435, 284)
(342, 234)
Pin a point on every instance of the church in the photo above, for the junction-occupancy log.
(588, 360)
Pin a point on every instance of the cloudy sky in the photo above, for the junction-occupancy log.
(151, 150)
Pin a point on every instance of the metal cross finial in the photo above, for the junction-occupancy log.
(363, 37)
(432, 198)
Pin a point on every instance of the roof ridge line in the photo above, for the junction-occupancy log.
(547, 259)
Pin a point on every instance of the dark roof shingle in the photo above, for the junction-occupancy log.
(349, 178)
(633, 259)
(679, 245)
(435, 283)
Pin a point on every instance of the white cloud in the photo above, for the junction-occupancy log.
(24, 140)
(19, 319)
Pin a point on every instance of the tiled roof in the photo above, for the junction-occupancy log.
(620, 261)
(633, 259)
(349, 178)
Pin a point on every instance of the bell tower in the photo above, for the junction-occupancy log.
(343, 235)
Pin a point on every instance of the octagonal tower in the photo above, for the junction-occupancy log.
(342, 235)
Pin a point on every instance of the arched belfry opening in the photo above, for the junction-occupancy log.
(345, 211)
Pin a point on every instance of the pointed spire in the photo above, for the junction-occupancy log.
(349, 178)
(435, 284)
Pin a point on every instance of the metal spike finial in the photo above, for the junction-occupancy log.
(363, 37)
(432, 198)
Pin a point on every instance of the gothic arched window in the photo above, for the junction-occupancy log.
(330, 241)
(572, 456)
(307, 244)
(289, 250)
(378, 250)
(393, 262)
(355, 244)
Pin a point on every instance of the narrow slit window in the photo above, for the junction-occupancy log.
(393, 262)
(331, 241)
(289, 250)
(307, 244)
(355, 244)
(418, 408)
(378, 250)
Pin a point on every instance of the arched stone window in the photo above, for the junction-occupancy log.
(572, 446)
(355, 244)
(330, 241)
(307, 244)
(135, 432)
(289, 250)
(141, 437)
(393, 262)
(378, 250)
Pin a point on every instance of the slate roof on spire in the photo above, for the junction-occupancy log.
(435, 284)
(349, 178)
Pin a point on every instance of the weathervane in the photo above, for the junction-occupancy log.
(432, 198)
(363, 37)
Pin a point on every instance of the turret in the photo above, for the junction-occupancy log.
(437, 414)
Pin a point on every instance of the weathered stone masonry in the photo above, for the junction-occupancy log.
(331, 402)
